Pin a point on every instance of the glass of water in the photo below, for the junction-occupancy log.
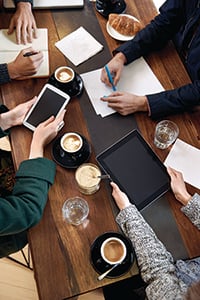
(75, 210)
(166, 133)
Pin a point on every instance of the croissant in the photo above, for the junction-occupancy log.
(124, 24)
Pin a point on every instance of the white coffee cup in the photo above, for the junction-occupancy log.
(64, 74)
(113, 250)
(71, 142)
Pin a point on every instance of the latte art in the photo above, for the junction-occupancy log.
(71, 142)
(64, 74)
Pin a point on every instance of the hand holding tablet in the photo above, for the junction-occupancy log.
(51, 101)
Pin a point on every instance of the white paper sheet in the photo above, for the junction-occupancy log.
(136, 78)
(186, 159)
(79, 46)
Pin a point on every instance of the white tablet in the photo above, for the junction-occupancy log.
(51, 101)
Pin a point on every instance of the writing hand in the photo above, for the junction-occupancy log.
(25, 66)
(126, 103)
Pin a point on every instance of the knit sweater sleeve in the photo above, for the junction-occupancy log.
(192, 210)
(155, 262)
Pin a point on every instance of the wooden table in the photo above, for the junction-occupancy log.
(60, 252)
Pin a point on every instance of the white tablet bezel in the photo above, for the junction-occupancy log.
(57, 91)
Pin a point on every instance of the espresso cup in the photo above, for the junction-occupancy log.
(71, 144)
(66, 80)
(113, 250)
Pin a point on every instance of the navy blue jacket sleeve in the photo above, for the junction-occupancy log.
(174, 101)
(169, 24)
(156, 34)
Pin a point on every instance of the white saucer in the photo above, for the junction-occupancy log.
(116, 35)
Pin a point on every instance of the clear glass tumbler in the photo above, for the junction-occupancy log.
(166, 133)
(75, 210)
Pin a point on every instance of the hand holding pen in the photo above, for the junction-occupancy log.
(25, 64)
(110, 78)
(115, 67)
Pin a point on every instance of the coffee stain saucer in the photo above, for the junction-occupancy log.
(67, 161)
(101, 266)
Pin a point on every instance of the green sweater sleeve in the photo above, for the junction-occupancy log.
(24, 207)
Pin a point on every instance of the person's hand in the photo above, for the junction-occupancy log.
(24, 24)
(16, 115)
(121, 198)
(126, 103)
(25, 66)
(44, 133)
(115, 66)
(178, 186)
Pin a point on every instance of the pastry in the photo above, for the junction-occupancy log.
(124, 24)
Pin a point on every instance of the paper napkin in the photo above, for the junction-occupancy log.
(186, 159)
(79, 46)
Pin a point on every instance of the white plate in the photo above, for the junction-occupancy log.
(116, 35)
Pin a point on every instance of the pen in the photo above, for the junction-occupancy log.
(110, 78)
(27, 54)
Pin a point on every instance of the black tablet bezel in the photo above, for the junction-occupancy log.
(158, 192)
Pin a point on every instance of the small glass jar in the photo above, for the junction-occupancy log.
(87, 178)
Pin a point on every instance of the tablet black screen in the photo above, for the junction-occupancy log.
(49, 105)
(137, 170)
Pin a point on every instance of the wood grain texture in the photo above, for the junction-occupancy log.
(61, 252)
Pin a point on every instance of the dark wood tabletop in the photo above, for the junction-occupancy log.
(61, 252)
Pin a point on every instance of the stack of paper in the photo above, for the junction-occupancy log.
(136, 78)
(79, 46)
(9, 49)
(185, 159)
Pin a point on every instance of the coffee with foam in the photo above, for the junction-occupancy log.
(64, 74)
(71, 142)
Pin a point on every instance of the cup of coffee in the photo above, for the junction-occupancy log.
(67, 80)
(113, 250)
(87, 178)
(71, 144)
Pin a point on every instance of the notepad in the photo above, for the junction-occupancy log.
(9, 49)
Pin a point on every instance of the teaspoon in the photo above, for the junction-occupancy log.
(107, 272)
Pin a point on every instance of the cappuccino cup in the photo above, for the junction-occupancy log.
(65, 78)
(113, 250)
(64, 74)
(71, 143)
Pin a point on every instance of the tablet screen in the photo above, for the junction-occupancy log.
(50, 102)
(137, 170)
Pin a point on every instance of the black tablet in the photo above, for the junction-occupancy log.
(133, 165)
(50, 102)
